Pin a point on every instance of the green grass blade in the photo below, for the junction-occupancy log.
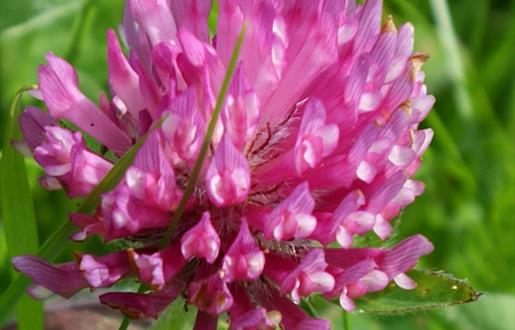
(18, 214)
(56, 243)
(212, 19)
(86, 14)
(434, 290)
(40, 20)
(203, 151)
(207, 139)
(455, 63)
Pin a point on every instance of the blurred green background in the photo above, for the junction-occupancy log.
(468, 209)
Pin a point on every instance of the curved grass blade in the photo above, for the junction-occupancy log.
(434, 290)
(56, 243)
(207, 138)
(455, 63)
(18, 213)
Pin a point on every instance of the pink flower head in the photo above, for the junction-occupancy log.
(317, 142)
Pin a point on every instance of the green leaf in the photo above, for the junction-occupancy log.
(56, 243)
(18, 214)
(434, 290)
(492, 312)
(176, 317)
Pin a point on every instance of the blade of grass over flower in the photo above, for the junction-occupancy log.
(58, 241)
(207, 139)
(203, 151)
(17, 212)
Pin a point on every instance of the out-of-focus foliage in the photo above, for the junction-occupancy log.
(468, 209)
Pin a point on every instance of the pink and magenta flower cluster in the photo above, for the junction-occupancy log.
(317, 143)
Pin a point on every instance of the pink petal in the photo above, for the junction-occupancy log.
(228, 175)
(210, 295)
(205, 321)
(311, 48)
(184, 127)
(401, 156)
(62, 279)
(201, 241)
(32, 125)
(104, 271)
(89, 225)
(192, 15)
(241, 113)
(292, 316)
(405, 255)
(375, 281)
(308, 277)
(123, 80)
(244, 259)
(158, 268)
(292, 217)
(347, 303)
(382, 227)
(257, 318)
(50, 183)
(405, 282)
(315, 139)
(59, 86)
(137, 305)
(156, 19)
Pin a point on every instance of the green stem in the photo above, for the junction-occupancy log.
(345, 321)
(125, 324)
(308, 308)
(207, 141)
